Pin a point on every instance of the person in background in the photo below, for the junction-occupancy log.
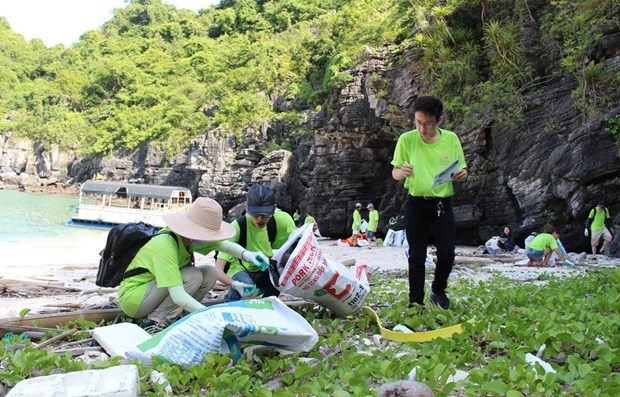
(315, 226)
(529, 238)
(261, 209)
(539, 250)
(172, 285)
(507, 240)
(357, 223)
(420, 156)
(373, 223)
(598, 225)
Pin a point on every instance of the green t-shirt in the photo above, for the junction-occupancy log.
(373, 220)
(428, 160)
(163, 258)
(309, 219)
(542, 241)
(258, 240)
(598, 216)
(357, 220)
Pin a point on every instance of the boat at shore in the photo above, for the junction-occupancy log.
(105, 204)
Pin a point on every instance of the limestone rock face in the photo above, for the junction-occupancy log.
(549, 169)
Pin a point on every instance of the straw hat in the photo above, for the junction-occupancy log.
(200, 221)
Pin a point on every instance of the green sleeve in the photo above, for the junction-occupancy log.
(233, 239)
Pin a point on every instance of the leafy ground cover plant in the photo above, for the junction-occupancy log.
(571, 322)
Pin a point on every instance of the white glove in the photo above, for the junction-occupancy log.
(585, 232)
(245, 290)
(257, 259)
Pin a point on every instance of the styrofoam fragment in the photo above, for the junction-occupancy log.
(160, 379)
(119, 381)
(459, 375)
(402, 328)
(532, 359)
(118, 338)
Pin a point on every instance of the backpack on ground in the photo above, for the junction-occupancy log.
(123, 243)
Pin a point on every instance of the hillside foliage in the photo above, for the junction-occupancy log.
(157, 73)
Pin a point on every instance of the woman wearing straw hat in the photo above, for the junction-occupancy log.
(172, 284)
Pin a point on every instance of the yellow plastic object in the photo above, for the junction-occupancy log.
(426, 336)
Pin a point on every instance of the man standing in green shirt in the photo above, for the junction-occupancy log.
(261, 211)
(373, 223)
(429, 159)
(598, 225)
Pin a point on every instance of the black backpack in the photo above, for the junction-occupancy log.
(272, 230)
(123, 243)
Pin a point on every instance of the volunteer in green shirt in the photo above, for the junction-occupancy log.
(598, 225)
(357, 222)
(261, 209)
(420, 156)
(373, 222)
(172, 284)
(540, 249)
(309, 219)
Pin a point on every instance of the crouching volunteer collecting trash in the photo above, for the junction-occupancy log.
(262, 229)
(171, 283)
(300, 269)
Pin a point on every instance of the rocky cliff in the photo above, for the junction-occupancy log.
(549, 169)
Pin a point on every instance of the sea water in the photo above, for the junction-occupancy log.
(26, 216)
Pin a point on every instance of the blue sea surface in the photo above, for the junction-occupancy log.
(38, 216)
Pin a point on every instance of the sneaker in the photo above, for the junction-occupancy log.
(151, 326)
(440, 299)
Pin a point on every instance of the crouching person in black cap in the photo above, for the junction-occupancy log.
(261, 229)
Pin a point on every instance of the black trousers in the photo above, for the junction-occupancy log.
(421, 217)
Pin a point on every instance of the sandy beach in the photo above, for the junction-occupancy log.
(49, 276)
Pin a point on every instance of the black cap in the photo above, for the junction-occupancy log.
(261, 200)
(601, 203)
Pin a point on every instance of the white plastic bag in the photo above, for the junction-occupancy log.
(221, 328)
(364, 226)
(303, 271)
(492, 247)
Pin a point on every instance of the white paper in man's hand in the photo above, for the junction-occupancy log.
(447, 174)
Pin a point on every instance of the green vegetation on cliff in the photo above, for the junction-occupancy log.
(165, 75)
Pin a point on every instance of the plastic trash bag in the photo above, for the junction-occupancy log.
(221, 328)
(299, 268)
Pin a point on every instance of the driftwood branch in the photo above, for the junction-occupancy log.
(48, 342)
(482, 260)
(46, 322)
(78, 351)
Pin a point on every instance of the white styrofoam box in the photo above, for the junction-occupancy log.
(116, 339)
(119, 381)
